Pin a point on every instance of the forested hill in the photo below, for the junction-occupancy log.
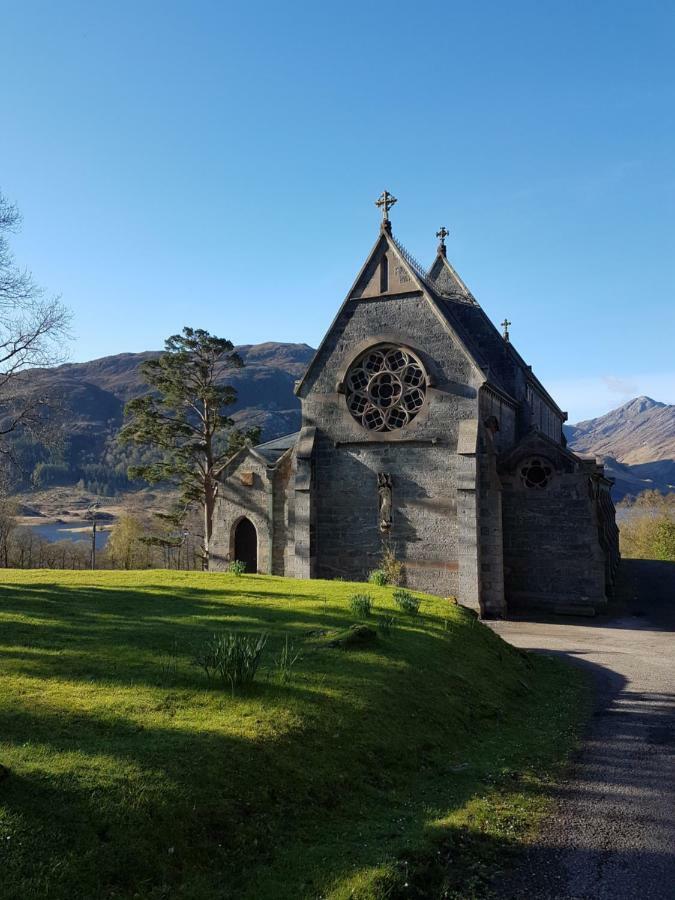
(93, 395)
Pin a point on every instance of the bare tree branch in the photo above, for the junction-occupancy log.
(34, 330)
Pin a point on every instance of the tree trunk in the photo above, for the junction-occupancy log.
(209, 507)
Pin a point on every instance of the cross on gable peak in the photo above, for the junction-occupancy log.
(441, 234)
(505, 325)
(385, 202)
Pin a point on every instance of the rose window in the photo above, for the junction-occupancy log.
(536, 473)
(385, 388)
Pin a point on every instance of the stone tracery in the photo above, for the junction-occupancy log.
(386, 387)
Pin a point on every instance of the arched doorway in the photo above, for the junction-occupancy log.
(246, 544)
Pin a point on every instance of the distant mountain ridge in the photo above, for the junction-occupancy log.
(90, 397)
(97, 391)
(636, 441)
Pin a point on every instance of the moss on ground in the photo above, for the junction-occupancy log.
(406, 768)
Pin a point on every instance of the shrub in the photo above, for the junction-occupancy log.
(407, 603)
(664, 541)
(234, 657)
(392, 568)
(236, 567)
(378, 577)
(386, 624)
(285, 661)
(361, 605)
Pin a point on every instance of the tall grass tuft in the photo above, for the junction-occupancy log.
(378, 577)
(287, 658)
(234, 657)
(406, 602)
(361, 605)
(386, 624)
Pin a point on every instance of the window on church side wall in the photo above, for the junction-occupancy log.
(536, 473)
(386, 387)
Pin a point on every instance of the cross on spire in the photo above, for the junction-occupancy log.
(505, 325)
(441, 235)
(385, 202)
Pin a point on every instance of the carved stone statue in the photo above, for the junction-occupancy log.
(384, 491)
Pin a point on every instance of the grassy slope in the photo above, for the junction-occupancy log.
(414, 762)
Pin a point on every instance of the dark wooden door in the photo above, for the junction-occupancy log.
(246, 544)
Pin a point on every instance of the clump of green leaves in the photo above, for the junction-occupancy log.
(286, 660)
(386, 624)
(361, 605)
(234, 657)
(378, 577)
(236, 567)
(406, 602)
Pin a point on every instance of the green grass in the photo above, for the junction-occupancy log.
(403, 767)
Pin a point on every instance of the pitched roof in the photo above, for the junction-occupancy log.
(456, 307)
(274, 450)
(408, 276)
(498, 358)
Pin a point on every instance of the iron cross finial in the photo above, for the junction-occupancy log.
(385, 202)
(505, 325)
(441, 235)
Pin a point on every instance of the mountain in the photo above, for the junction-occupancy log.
(96, 392)
(91, 397)
(636, 443)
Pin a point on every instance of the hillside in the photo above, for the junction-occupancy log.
(403, 766)
(97, 390)
(91, 398)
(636, 443)
(641, 431)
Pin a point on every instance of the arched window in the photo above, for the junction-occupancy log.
(246, 544)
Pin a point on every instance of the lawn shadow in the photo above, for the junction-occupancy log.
(604, 775)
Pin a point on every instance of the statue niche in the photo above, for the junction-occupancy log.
(384, 489)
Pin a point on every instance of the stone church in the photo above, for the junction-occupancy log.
(423, 432)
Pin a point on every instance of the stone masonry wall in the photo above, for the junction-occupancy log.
(237, 499)
(552, 555)
(421, 458)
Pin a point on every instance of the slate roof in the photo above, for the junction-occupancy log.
(504, 368)
(274, 450)
(498, 358)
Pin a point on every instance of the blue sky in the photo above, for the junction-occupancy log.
(215, 164)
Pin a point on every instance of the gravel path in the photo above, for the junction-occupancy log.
(612, 834)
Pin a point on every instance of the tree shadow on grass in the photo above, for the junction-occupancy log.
(138, 643)
(106, 799)
(105, 804)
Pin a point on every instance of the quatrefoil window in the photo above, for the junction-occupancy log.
(385, 388)
(536, 473)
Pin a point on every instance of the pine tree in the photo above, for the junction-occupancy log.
(184, 419)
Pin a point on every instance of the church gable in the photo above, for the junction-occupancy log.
(385, 272)
(426, 434)
(390, 302)
(444, 278)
